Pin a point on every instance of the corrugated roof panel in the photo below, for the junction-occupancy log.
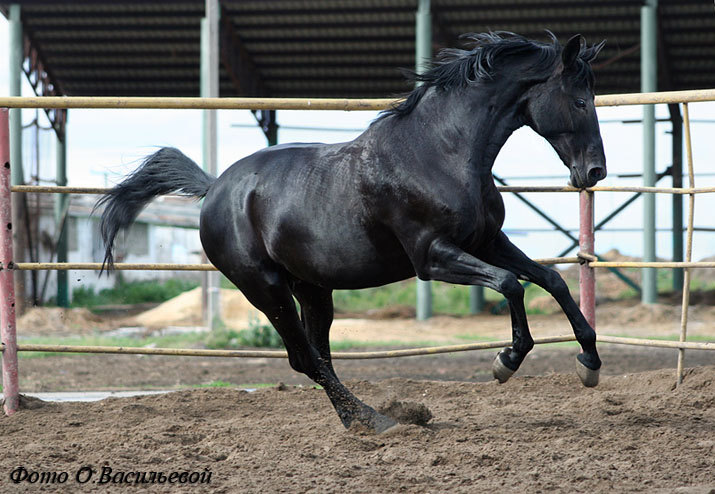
(347, 19)
(328, 46)
(536, 15)
(43, 21)
(339, 47)
(78, 35)
(269, 34)
(195, 7)
(248, 7)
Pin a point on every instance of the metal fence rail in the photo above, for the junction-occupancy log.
(50, 189)
(408, 352)
(345, 104)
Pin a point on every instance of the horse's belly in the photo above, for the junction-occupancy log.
(341, 260)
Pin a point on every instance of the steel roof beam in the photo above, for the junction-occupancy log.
(43, 82)
(237, 61)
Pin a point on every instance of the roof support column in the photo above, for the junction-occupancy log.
(677, 177)
(61, 212)
(17, 175)
(210, 89)
(423, 55)
(649, 74)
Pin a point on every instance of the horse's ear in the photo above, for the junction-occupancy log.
(590, 54)
(571, 51)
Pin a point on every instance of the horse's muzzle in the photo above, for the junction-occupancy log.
(591, 177)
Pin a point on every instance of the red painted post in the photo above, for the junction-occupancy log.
(587, 277)
(7, 285)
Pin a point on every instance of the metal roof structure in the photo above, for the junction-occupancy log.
(333, 48)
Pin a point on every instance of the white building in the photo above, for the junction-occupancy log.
(165, 232)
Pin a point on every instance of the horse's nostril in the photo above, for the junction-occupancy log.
(596, 173)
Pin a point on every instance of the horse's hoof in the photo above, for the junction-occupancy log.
(501, 372)
(368, 420)
(589, 377)
(381, 423)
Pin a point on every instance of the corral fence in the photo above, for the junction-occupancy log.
(586, 258)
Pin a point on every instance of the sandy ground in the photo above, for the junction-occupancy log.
(542, 431)
(633, 433)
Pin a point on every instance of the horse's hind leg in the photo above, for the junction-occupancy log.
(269, 291)
(508, 256)
(316, 313)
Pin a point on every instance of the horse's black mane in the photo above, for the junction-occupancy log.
(490, 52)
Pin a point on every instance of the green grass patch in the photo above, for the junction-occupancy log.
(664, 283)
(215, 384)
(446, 298)
(257, 385)
(343, 345)
(131, 293)
(257, 335)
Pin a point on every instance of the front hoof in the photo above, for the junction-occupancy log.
(589, 377)
(501, 372)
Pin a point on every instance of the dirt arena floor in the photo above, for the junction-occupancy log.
(540, 432)
(633, 433)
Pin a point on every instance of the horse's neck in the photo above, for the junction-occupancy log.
(482, 119)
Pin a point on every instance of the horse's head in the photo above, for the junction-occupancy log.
(561, 109)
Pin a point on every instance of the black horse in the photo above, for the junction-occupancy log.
(413, 195)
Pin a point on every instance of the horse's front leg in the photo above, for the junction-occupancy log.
(446, 262)
(504, 254)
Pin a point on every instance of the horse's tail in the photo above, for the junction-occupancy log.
(166, 171)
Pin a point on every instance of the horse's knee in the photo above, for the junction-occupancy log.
(510, 287)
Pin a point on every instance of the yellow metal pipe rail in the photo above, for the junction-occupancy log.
(168, 103)
(683, 345)
(96, 266)
(653, 264)
(409, 352)
(48, 189)
(344, 104)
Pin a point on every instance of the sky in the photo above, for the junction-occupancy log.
(104, 145)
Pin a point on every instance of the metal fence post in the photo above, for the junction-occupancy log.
(587, 277)
(649, 79)
(7, 287)
(423, 55)
(210, 89)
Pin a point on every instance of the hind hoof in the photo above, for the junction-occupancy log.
(501, 372)
(589, 377)
(368, 420)
(382, 423)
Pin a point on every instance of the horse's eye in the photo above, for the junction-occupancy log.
(580, 103)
